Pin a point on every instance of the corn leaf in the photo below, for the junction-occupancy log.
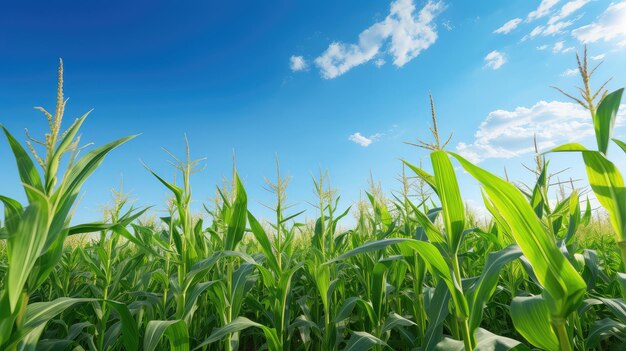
(531, 318)
(563, 286)
(452, 207)
(25, 166)
(26, 246)
(607, 184)
(361, 341)
(175, 331)
(604, 118)
(237, 223)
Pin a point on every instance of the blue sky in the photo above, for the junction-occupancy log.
(338, 85)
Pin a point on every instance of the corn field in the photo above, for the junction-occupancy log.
(417, 270)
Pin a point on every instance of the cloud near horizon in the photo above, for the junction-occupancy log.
(507, 134)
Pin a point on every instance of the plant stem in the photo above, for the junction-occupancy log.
(468, 339)
(622, 248)
(561, 331)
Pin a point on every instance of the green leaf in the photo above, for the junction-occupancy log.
(425, 176)
(604, 118)
(25, 166)
(38, 314)
(604, 329)
(264, 241)
(485, 341)
(237, 223)
(620, 143)
(617, 308)
(192, 298)
(240, 324)
(94, 227)
(452, 208)
(12, 213)
(361, 341)
(26, 246)
(531, 318)
(433, 259)
(378, 287)
(177, 191)
(345, 311)
(175, 331)
(87, 164)
(607, 184)
(487, 282)
(130, 331)
(564, 288)
(395, 320)
(437, 311)
(53, 164)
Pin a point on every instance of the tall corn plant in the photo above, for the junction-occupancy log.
(278, 276)
(439, 251)
(37, 231)
(185, 247)
(605, 179)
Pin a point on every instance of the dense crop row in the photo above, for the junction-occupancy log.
(416, 271)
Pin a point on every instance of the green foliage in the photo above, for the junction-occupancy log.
(416, 271)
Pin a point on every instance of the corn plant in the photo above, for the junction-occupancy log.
(417, 270)
(36, 232)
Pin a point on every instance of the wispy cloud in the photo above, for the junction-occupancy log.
(407, 34)
(559, 48)
(598, 57)
(297, 63)
(569, 72)
(610, 25)
(568, 9)
(495, 59)
(542, 47)
(507, 134)
(508, 26)
(363, 140)
(543, 10)
(551, 29)
(556, 24)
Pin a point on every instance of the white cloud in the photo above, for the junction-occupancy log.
(407, 35)
(555, 24)
(508, 26)
(542, 47)
(363, 140)
(507, 134)
(379, 62)
(598, 57)
(611, 24)
(567, 9)
(551, 29)
(569, 72)
(559, 48)
(536, 31)
(543, 10)
(556, 28)
(495, 59)
(297, 63)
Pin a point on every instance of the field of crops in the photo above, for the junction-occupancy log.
(418, 271)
